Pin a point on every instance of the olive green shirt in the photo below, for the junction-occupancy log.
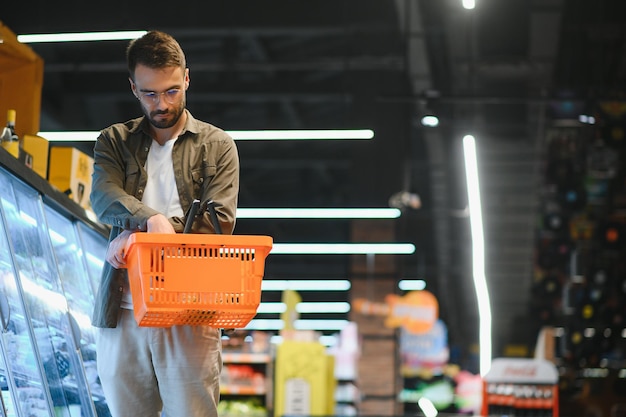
(206, 167)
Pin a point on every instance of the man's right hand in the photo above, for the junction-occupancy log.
(159, 224)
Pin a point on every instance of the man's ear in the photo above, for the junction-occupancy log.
(133, 87)
(186, 78)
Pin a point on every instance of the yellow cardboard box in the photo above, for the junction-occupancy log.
(302, 380)
(34, 153)
(70, 171)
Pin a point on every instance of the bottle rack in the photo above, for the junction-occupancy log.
(521, 387)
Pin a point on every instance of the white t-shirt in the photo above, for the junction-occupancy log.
(161, 193)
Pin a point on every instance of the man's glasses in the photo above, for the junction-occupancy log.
(171, 96)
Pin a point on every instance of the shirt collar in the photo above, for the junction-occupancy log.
(191, 125)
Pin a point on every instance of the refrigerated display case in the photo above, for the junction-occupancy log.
(93, 245)
(51, 252)
(72, 262)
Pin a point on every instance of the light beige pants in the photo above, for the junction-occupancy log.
(146, 370)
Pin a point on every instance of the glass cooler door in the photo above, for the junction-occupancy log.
(94, 248)
(73, 260)
(26, 389)
(15, 341)
(56, 349)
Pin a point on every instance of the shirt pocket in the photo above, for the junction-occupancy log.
(201, 177)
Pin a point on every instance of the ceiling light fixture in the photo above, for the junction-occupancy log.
(430, 121)
(305, 307)
(277, 324)
(318, 213)
(343, 249)
(302, 134)
(478, 253)
(322, 134)
(411, 284)
(469, 4)
(80, 36)
(305, 284)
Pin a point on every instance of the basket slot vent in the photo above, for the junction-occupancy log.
(159, 254)
(226, 298)
(156, 260)
(198, 298)
(157, 282)
(235, 253)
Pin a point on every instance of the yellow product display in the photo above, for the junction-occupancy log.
(36, 148)
(304, 374)
(12, 147)
(70, 171)
(21, 81)
(331, 385)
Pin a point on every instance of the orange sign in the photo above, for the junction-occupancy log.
(416, 311)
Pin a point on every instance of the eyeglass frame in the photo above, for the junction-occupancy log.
(152, 97)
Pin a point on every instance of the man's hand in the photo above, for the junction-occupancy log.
(115, 251)
(159, 224)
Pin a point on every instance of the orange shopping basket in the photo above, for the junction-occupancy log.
(196, 279)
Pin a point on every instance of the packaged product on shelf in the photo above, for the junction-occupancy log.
(9, 139)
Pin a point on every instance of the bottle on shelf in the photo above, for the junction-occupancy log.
(9, 139)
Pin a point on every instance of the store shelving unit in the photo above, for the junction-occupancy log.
(246, 382)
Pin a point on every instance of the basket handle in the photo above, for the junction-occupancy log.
(193, 212)
(191, 217)
(210, 205)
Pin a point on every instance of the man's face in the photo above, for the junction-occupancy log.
(161, 93)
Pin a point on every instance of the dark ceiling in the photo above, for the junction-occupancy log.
(269, 64)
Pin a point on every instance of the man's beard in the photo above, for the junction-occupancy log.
(165, 123)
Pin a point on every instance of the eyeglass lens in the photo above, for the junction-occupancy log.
(171, 96)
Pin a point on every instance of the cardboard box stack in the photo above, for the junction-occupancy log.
(70, 171)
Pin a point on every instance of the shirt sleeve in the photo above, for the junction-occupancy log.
(110, 200)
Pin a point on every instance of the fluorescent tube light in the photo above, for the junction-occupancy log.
(342, 248)
(469, 4)
(277, 324)
(306, 307)
(323, 307)
(318, 213)
(301, 134)
(80, 36)
(70, 136)
(478, 253)
(328, 341)
(411, 284)
(305, 284)
(91, 136)
(430, 121)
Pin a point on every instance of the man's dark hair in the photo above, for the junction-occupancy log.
(155, 49)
